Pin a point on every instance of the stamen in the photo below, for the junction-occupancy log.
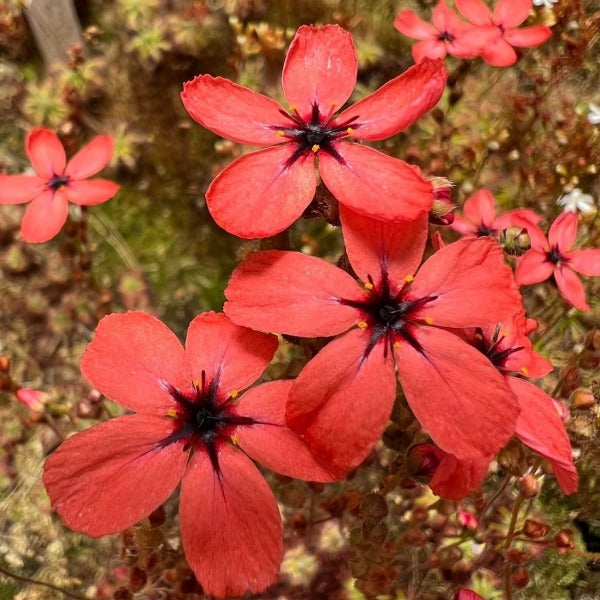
(525, 371)
(409, 278)
(234, 440)
(368, 286)
(316, 148)
(396, 344)
(280, 133)
(362, 324)
(350, 131)
(428, 320)
(203, 375)
(234, 394)
(171, 413)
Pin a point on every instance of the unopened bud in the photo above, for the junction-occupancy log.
(465, 594)
(529, 486)
(33, 399)
(468, 520)
(535, 529)
(4, 364)
(564, 540)
(515, 241)
(423, 460)
(582, 399)
(442, 209)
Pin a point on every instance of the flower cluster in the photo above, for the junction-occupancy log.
(491, 34)
(441, 326)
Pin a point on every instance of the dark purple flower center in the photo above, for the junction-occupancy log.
(446, 36)
(388, 313)
(491, 348)
(554, 256)
(203, 418)
(484, 230)
(57, 182)
(314, 135)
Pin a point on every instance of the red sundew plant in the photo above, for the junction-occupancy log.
(394, 383)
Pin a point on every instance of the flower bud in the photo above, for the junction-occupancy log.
(442, 209)
(529, 486)
(468, 520)
(515, 241)
(582, 399)
(564, 540)
(464, 594)
(520, 578)
(33, 399)
(423, 460)
(535, 529)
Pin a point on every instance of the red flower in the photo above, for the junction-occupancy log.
(447, 35)
(539, 424)
(480, 217)
(342, 400)
(504, 20)
(57, 182)
(107, 478)
(465, 594)
(264, 192)
(555, 257)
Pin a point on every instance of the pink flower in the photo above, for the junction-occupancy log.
(57, 182)
(555, 257)
(396, 325)
(504, 20)
(480, 218)
(465, 594)
(187, 426)
(264, 192)
(447, 35)
(32, 399)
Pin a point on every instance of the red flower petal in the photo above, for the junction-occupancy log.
(519, 217)
(570, 287)
(541, 428)
(46, 152)
(16, 189)
(438, 382)
(260, 194)
(428, 49)
(92, 158)
(235, 355)
(472, 284)
(586, 262)
(290, 292)
(111, 476)
(230, 524)
(233, 111)
(90, 193)
(563, 231)
(480, 208)
(463, 226)
(511, 13)
(474, 10)
(455, 479)
(528, 37)
(272, 443)
(533, 267)
(132, 360)
(409, 24)
(376, 247)
(320, 69)
(499, 53)
(399, 103)
(374, 184)
(45, 216)
(445, 19)
(341, 401)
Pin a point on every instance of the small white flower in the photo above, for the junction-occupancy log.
(594, 114)
(546, 3)
(576, 201)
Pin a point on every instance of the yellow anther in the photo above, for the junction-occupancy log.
(368, 285)
(429, 320)
(505, 333)
(525, 370)
(350, 131)
(478, 336)
(334, 104)
(316, 148)
(409, 278)
(280, 132)
(363, 324)
(234, 394)
(171, 412)
(196, 383)
(396, 344)
(234, 440)
(293, 107)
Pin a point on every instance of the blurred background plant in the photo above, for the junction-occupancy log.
(524, 132)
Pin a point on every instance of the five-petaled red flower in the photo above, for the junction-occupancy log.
(553, 256)
(504, 21)
(264, 192)
(186, 427)
(57, 182)
(342, 400)
(447, 35)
